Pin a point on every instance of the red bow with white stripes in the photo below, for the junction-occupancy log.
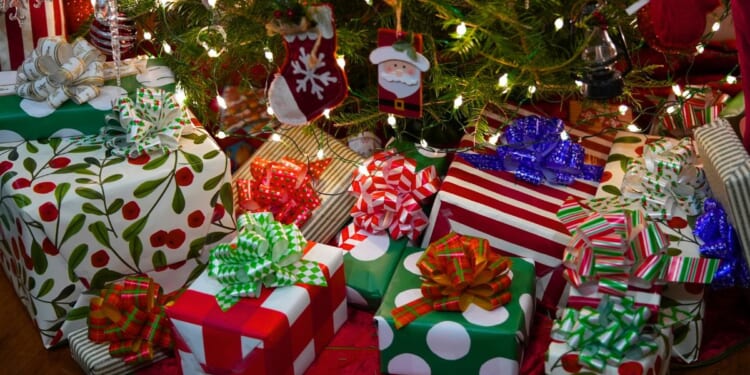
(389, 190)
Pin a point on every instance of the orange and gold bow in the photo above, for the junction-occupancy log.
(284, 188)
(458, 271)
(130, 316)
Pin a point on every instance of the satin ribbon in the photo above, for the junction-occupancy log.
(389, 192)
(610, 249)
(665, 181)
(284, 188)
(720, 242)
(538, 149)
(607, 335)
(130, 316)
(152, 123)
(458, 271)
(264, 253)
(57, 71)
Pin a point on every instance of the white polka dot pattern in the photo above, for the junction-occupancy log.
(449, 340)
(481, 317)
(407, 296)
(410, 262)
(408, 363)
(385, 333)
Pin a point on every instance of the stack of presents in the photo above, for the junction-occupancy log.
(125, 233)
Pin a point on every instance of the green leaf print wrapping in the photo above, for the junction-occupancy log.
(628, 139)
(612, 189)
(46, 287)
(195, 162)
(104, 276)
(21, 200)
(226, 198)
(75, 259)
(623, 159)
(178, 201)
(7, 176)
(115, 206)
(65, 293)
(39, 258)
(78, 313)
(31, 148)
(89, 193)
(91, 209)
(112, 178)
(76, 223)
(159, 260)
(212, 182)
(136, 249)
(81, 168)
(156, 162)
(147, 187)
(30, 165)
(61, 190)
(100, 232)
(134, 229)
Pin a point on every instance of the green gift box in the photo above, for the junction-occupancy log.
(24, 119)
(369, 262)
(475, 341)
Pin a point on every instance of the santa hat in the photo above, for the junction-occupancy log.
(386, 53)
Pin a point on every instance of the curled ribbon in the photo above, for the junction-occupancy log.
(458, 271)
(606, 335)
(57, 71)
(720, 242)
(284, 188)
(153, 122)
(666, 181)
(390, 191)
(609, 249)
(265, 253)
(130, 316)
(538, 149)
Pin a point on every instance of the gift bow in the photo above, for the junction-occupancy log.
(458, 271)
(57, 71)
(265, 253)
(151, 123)
(665, 181)
(608, 334)
(283, 187)
(390, 191)
(538, 149)
(720, 242)
(130, 316)
(700, 109)
(608, 249)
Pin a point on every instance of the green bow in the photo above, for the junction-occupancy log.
(265, 252)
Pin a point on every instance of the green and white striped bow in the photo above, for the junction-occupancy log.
(265, 253)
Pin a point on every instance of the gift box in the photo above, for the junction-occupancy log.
(682, 308)
(281, 331)
(23, 22)
(26, 119)
(75, 218)
(692, 108)
(303, 146)
(596, 116)
(95, 359)
(727, 167)
(474, 341)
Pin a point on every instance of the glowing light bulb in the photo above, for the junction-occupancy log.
(731, 79)
(677, 90)
(275, 137)
(716, 26)
(461, 29)
(167, 48)
(559, 23)
(163, 3)
(700, 48)
(532, 89)
(634, 128)
(327, 113)
(391, 120)
(269, 110)
(494, 138)
(268, 54)
(368, 2)
(212, 53)
(320, 154)
(671, 109)
(564, 135)
(579, 83)
(221, 102)
(341, 61)
(147, 35)
(458, 101)
(179, 94)
(623, 109)
(503, 80)
(221, 134)
(423, 143)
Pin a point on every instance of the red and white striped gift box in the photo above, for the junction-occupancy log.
(18, 39)
(578, 298)
(281, 332)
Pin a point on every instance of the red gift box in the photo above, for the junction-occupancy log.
(280, 332)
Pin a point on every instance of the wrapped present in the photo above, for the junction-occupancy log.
(596, 116)
(267, 330)
(94, 358)
(369, 262)
(70, 119)
(75, 217)
(694, 107)
(613, 338)
(476, 341)
(727, 167)
(301, 147)
(682, 309)
(23, 23)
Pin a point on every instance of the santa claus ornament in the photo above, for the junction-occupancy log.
(400, 67)
(310, 81)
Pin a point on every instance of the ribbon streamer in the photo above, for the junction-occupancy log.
(57, 71)
(390, 191)
(606, 335)
(284, 188)
(458, 271)
(130, 316)
(152, 123)
(720, 242)
(538, 149)
(265, 253)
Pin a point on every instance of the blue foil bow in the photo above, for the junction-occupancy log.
(720, 241)
(538, 149)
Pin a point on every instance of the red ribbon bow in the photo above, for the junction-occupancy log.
(390, 190)
(284, 188)
(130, 316)
(458, 271)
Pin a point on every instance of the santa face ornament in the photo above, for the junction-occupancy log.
(400, 67)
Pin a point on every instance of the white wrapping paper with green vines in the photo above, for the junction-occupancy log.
(57, 71)
(151, 123)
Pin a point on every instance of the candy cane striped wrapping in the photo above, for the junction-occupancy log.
(281, 332)
(18, 40)
(95, 359)
(303, 143)
(727, 167)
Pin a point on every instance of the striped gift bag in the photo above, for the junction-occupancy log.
(304, 144)
(95, 359)
(22, 24)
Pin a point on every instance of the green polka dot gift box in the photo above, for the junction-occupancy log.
(475, 341)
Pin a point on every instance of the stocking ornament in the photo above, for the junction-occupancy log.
(310, 80)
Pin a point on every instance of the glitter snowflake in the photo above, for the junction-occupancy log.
(308, 69)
